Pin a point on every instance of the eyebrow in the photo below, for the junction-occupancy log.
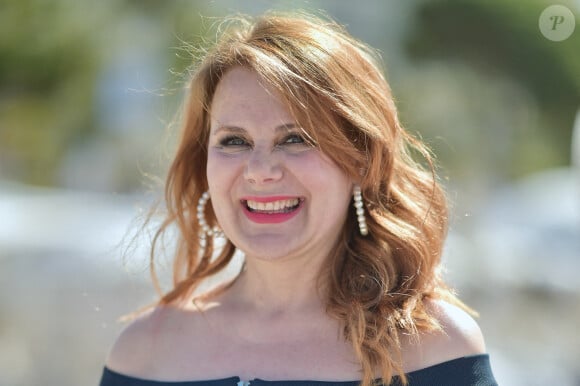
(236, 129)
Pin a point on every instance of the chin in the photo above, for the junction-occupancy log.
(267, 248)
(266, 254)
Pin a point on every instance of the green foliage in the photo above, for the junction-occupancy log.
(47, 67)
(51, 56)
(501, 39)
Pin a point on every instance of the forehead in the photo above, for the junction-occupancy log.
(245, 100)
(242, 94)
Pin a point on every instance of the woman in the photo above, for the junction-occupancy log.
(292, 153)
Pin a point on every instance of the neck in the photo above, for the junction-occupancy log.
(279, 287)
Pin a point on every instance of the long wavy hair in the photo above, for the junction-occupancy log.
(376, 286)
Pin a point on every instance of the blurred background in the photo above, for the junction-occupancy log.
(88, 96)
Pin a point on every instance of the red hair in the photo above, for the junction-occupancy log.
(376, 286)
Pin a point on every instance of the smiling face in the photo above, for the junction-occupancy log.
(275, 196)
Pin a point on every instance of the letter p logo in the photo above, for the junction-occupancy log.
(557, 23)
(557, 20)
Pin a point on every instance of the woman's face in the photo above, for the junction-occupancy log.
(274, 195)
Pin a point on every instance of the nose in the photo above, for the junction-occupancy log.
(263, 166)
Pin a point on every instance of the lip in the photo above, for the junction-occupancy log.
(273, 218)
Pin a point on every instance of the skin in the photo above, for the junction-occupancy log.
(263, 157)
(268, 157)
(271, 323)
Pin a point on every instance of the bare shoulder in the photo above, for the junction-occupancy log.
(460, 336)
(461, 333)
(132, 349)
(144, 341)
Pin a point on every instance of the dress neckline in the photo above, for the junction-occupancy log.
(236, 380)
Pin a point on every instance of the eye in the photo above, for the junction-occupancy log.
(293, 139)
(233, 141)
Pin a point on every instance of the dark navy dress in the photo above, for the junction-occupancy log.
(467, 371)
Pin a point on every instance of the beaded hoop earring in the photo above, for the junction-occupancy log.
(360, 211)
(206, 230)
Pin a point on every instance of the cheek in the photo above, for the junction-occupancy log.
(221, 170)
(221, 175)
(325, 179)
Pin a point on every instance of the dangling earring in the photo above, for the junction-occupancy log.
(360, 211)
(206, 231)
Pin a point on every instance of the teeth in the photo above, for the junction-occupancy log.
(273, 206)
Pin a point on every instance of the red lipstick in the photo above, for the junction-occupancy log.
(285, 209)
